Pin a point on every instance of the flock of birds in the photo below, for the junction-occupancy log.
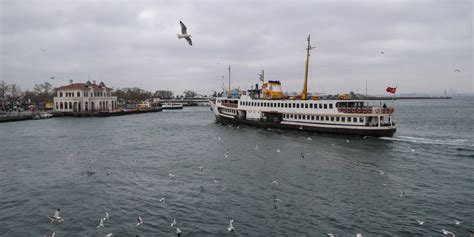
(57, 219)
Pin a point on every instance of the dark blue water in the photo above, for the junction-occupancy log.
(336, 188)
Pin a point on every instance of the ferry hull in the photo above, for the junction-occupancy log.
(376, 132)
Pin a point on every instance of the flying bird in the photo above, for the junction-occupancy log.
(231, 226)
(445, 232)
(275, 182)
(56, 218)
(108, 235)
(106, 216)
(173, 223)
(457, 222)
(457, 70)
(420, 222)
(330, 234)
(184, 34)
(140, 221)
(381, 52)
(101, 223)
(163, 200)
(178, 232)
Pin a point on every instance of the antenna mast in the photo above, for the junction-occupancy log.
(304, 95)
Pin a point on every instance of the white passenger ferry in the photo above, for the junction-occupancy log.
(268, 107)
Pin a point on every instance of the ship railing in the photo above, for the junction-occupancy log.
(365, 110)
(230, 105)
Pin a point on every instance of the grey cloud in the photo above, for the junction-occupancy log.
(130, 43)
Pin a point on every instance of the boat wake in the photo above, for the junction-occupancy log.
(420, 140)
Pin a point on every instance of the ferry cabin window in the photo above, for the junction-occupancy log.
(343, 119)
(325, 106)
(306, 106)
(361, 119)
(332, 119)
(320, 106)
(327, 118)
(299, 116)
(317, 117)
(330, 106)
(310, 106)
(349, 119)
(297, 105)
(337, 119)
(312, 117)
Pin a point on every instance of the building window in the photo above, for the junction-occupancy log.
(330, 106)
(78, 94)
(60, 94)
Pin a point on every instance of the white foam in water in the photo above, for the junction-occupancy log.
(452, 142)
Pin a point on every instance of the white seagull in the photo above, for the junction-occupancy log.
(420, 222)
(140, 221)
(330, 234)
(56, 218)
(106, 215)
(275, 182)
(172, 176)
(101, 223)
(256, 147)
(448, 232)
(310, 139)
(457, 222)
(163, 200)
(178, 232)
(231, 226)
(278, 150)
(402, 194)
(359, 235)
(184, 34)
(173, 223)
(108, 235)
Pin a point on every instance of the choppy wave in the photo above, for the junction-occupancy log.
(421, 140)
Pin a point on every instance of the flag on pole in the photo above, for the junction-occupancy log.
(391, 89)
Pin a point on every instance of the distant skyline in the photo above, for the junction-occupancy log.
(135, 44)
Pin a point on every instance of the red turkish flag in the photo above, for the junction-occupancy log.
(391, 89)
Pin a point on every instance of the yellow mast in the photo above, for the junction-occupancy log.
(304, 95)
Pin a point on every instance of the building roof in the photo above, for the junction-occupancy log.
(83, 86)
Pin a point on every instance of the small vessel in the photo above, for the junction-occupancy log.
(268, 107)
(43, 115)
(172, 106)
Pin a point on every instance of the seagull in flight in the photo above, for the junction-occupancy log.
(184, 34)
(140, 221)
(256, 147)
(448, 232)
(330, 234)
(457, 222)
(359, 235)
(56, 218)
(173, 223)
(457, 70)
(278, 150)
(108, 235)
(106, 216)
(231, 226)
(420, 222)
(101, 223)
(163, 200)
(310, 139)
(381, 52)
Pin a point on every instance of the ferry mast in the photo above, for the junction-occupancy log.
(304, 95)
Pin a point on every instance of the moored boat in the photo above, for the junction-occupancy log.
(172, 106)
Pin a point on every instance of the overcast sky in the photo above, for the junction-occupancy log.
(134, 43)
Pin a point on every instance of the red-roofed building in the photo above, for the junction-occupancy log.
(84, 97)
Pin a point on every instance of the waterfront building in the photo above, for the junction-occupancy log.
(84, 97)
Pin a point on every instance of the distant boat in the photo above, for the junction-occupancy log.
(43, 115)
(172, 106)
